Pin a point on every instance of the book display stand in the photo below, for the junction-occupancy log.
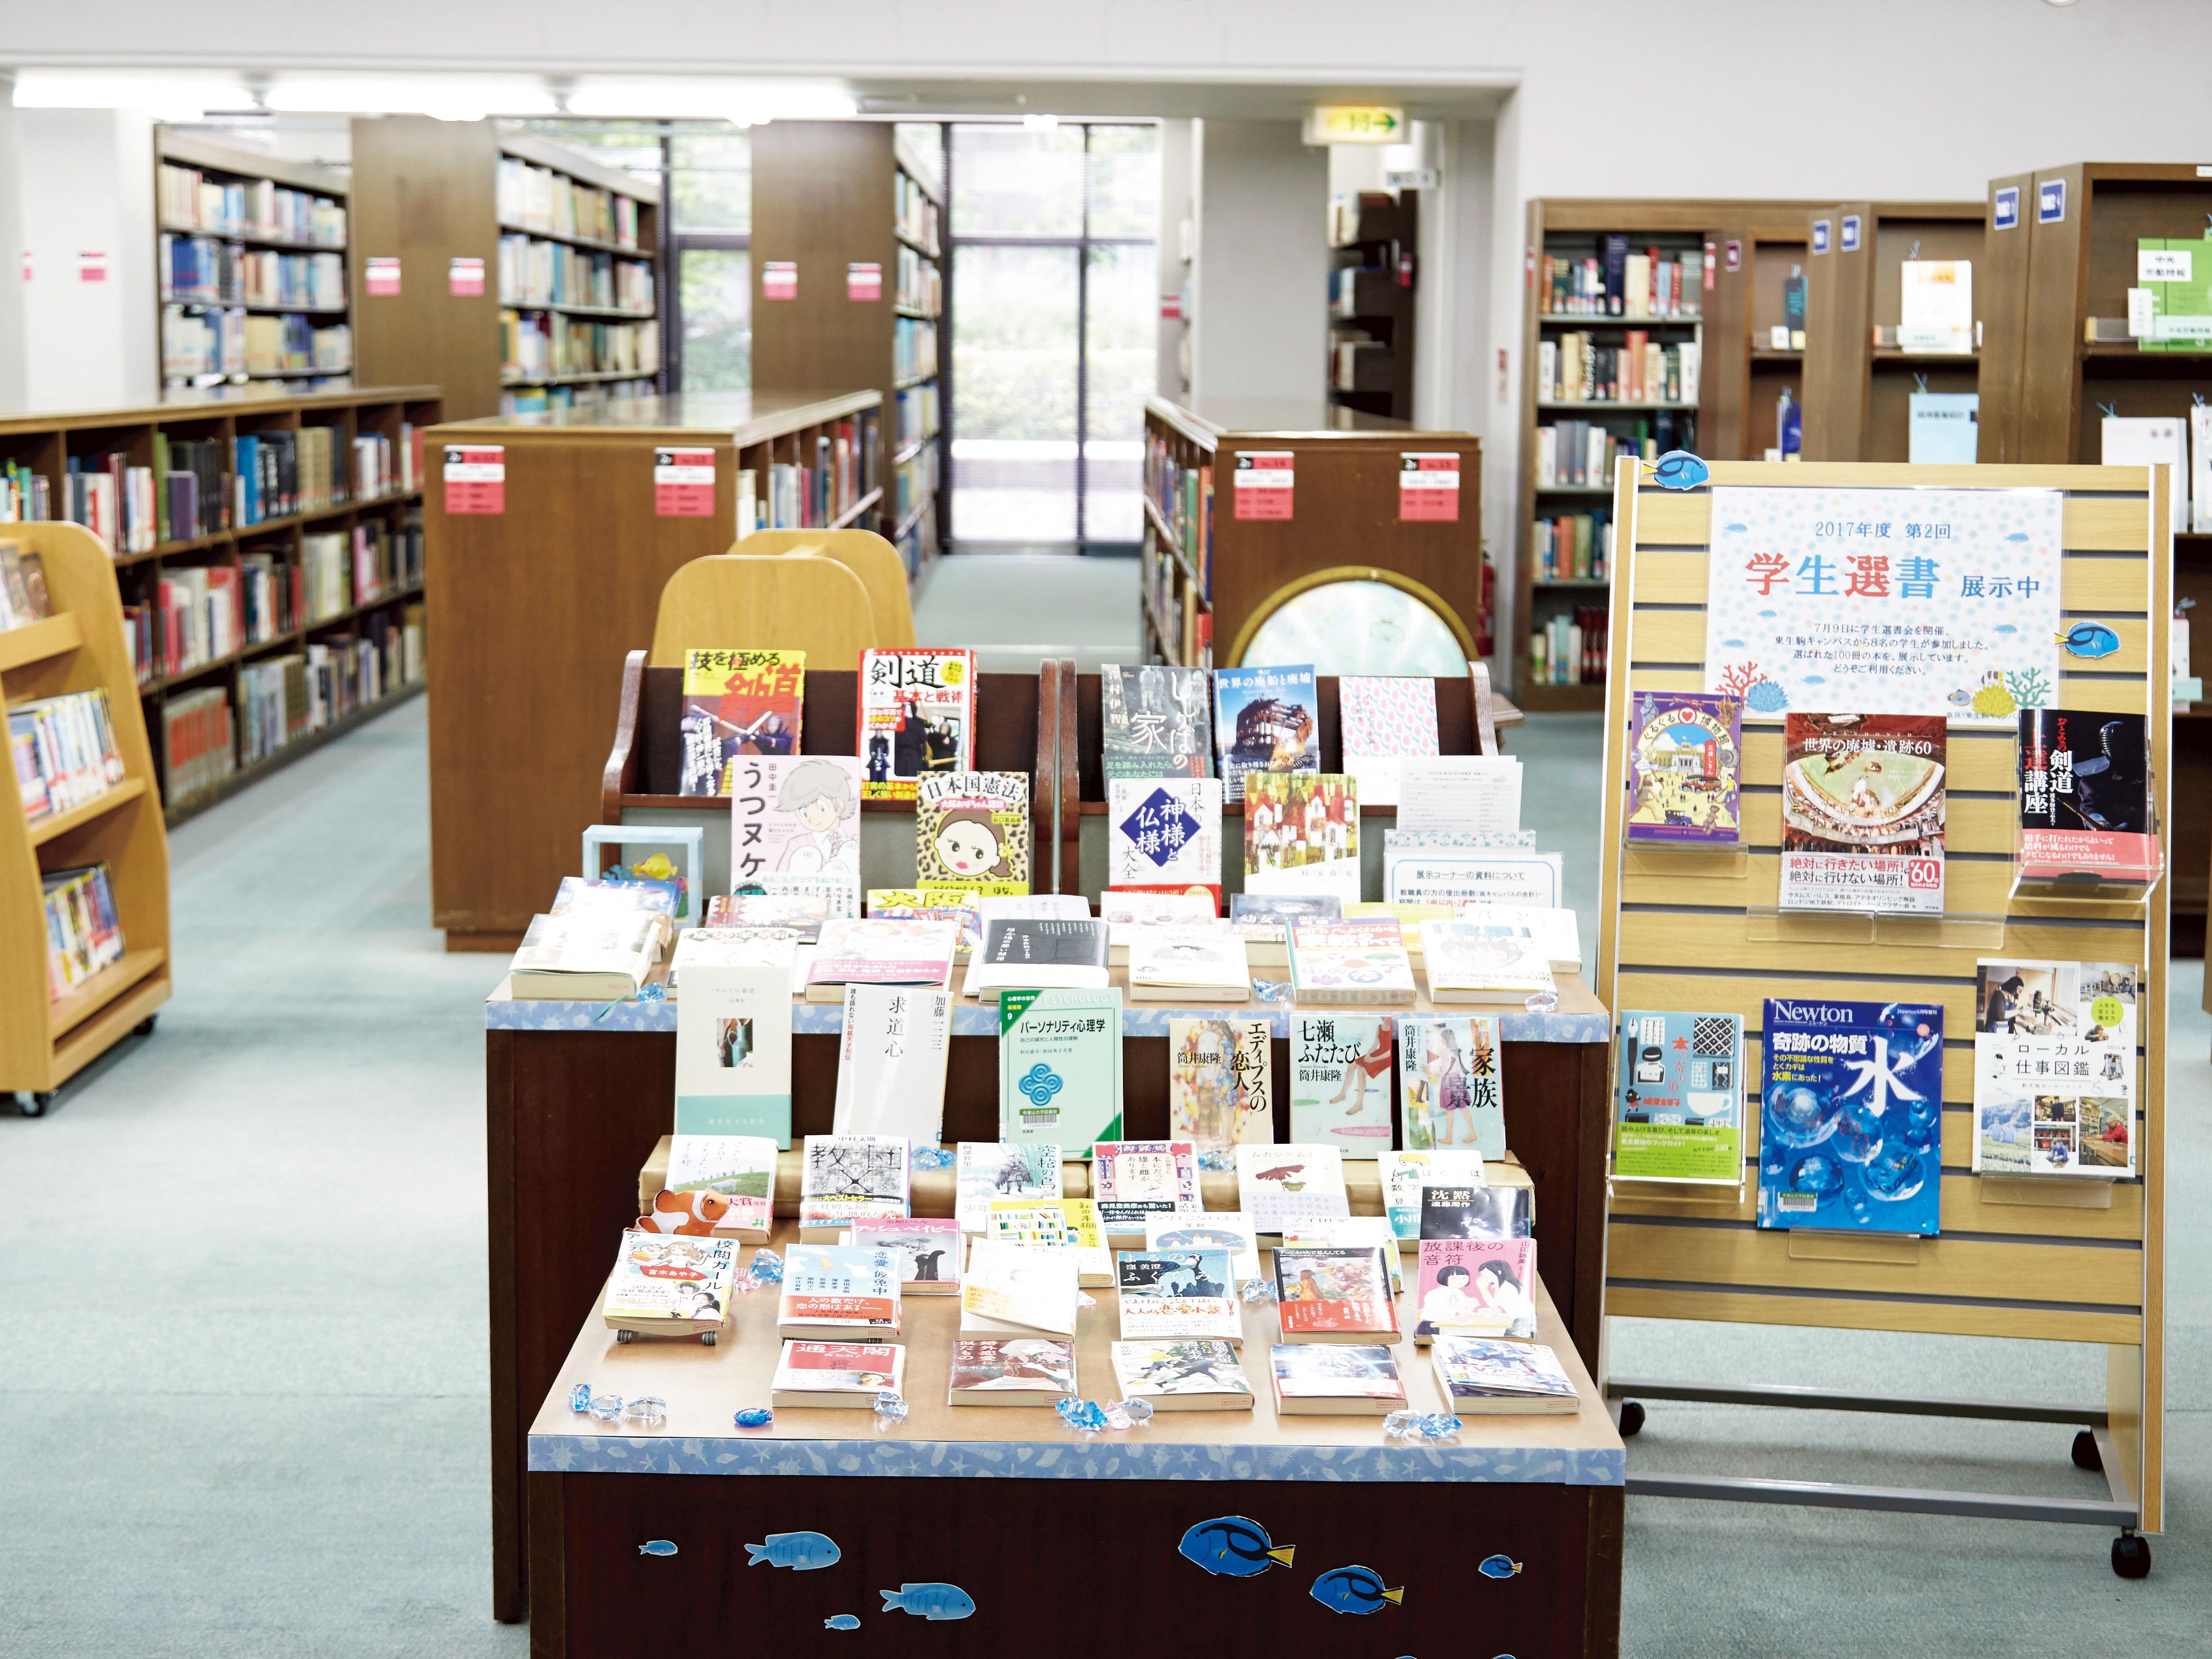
(47, 1040)
(2061, 1261)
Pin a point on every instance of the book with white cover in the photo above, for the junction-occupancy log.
(928, 1248)
(737, 1172)
(1281, 1186)
(891, 1061)
(732, 947)
(848, 1374)
(1556, 932)
(596, 955)
(1017, 1289)
(1469, 961)
(880, 951)
(1188, 964)
(1163, 831)
(1129, 916)
(986, 1170)
(1172, 1293)
(1220, 1230)
(845, 1179)
(733, 1052)
(1460, 791)
(838, 1292)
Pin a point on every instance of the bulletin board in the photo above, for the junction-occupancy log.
(2071, 1261)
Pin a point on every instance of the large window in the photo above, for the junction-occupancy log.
(1054, 269)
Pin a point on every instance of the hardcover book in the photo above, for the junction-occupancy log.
(733, 1052)
(1851, 1133)
(1180, 1374)
(1130, 913)
(1501, 1377)
(1302, 834)
(2085, 796)
(1862, 808)
(1340, 1068)
(1163, 832)
(1205, 964)
(985, 1170)
(1177, 1293)
(1335, 1379)
(795, 816)
(734, 947)
(891, 1062)
(1449, 1081)
(800, 915)
(667, 1284)
(722, 1185)
(1406, 1173)
(971, 832)
(926, 1247)
(1019, 1289)
(1334, 1295)
(1218, 1091)
(1202, 1230)
(1474, 962)
(737, 703)
(1012, 1370)
(916, 715)
(1384, 721)
(1678, 1093)
(1060, 1067)
(1683, 754)
(1355, 963)
(2055, 1067)
(837, 1291)
(1264, 722)
(1477, 1287)
(1281, 1186)
(850, 1374)
(846, 1179)
(1156, 722)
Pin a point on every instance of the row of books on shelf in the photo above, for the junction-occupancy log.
(1616, 283)
(84, 930)
(1575, 368)
(913, 481)
(537, 399)
(1574, 546)
(1579, 454)
(1570, 649)
(917, 543)
(539, 344)
(920, 283)
(201, 270)
(25, 493)
(64, 751)
(202, 345)
(1179, 613)
(534, 272)
(1353, 289)
(913, 414)
(913, 348)
(820, 488)
(191, 200)
(915, 213)
(1359, 362)
(23, 596)
(538, 198)
(1183, 496)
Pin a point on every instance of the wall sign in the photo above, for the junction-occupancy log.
(684, 483)
(1265, 482)
(1428, 487)
(1821, 235)
(1734, 254)
(779, 279)
(381, 278)
(864, 283)
(465, 279)
(1355, 123)
(92, 266)
(2049, 201)
(475, 478)
(1171, 307)
(2004, 213)
(1851, 233)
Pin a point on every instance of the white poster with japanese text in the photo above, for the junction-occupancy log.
(1885, 601)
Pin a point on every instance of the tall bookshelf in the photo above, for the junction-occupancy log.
(536, 283)
(1754, 349)
(1859, 379)
(330, 634)
(849, 290)
(249, 262)
(1372, 238)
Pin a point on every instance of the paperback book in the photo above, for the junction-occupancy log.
(1156, 722)
(1554, 931)
(802, 916)
(1281, 1186)
(1025, 953)
(1477, 962)
(1354, 964)
(736, 703)
(1335, 1379)
(1384, 721)
(1131, 1180)
(1449, 1084)
(1219, 1092)
(1262, 920)
(1405, 1174)
(1684, 750)
(891, 1062)
(1850, 1134)
(1177, 1293)
(2085, 803)
(795, 816)
(880, 952)
(916, 715)
(1059, 1068)
(971, 832)
(1463, 1210)
(2055, 1067)
(1204, 963)
(1163, 832)
(1334, 1295)
(1264, 722)
(1679, 1098)
(1209, 1230)
(1012, 1370)
(1340, 1069)
(667, 1284)
(849, 1374)
(733, 1052)
(987, 1171)
(1018, 1290)
(847, 1179)
(1302, 834)
(928, 1250)
(1074, 1224)
(1477, 1375)
(736, 947)
(836, 1292)
(721, 1185)
(1477, 1287)
(1862, 808)
(1181, 1374)
(1358, 1232)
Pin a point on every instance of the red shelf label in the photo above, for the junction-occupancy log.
(1267, 482)
(1428, 487)
(381, 278)
(779, 279)
(475, 478)
(465, 279)
(684, 483)
(864, 283)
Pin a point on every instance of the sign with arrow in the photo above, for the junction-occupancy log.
(1356, 124)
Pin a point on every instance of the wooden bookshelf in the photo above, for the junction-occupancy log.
(435, 328)
(1210, 579)
(228, 305)
(46, 1040)
(46, 445)
(539, 602)
(1747, 367)
(1372, 237)
(857, 208)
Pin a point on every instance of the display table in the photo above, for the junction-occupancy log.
(1089, 1553)
(577, 1095)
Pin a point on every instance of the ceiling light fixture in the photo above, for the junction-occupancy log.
(167, 97)
(742, 102)
(447, 98)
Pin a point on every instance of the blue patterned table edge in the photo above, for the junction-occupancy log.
(1126, 1456)
(974, 1019)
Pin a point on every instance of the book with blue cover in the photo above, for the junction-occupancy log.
(1678, 1097)
(1851, 1124)
(1265, 720)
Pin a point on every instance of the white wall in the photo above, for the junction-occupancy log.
(11, 254)
(1177, 232)
(87, 182)
(1261, 265)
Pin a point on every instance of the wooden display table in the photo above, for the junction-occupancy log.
(924, 1502)
(578, 1095)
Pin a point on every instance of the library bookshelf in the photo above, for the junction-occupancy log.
(849, 289)
(1373, 234)
(328, 655)
(45, 1040)
(1859, 380)
(1748, 365)
(1567, 511)
(250, 266)
(536, 285)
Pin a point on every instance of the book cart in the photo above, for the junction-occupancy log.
(45, 1040)
(2018, 1257)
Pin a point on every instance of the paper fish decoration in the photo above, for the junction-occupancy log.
(1678, 469)
(658, 1547)
(2089, 639)
(1354, 1589)
(929, 1601)
(802, 1552)
(842, 1621)
(1233, 1547)
(1497, 1566)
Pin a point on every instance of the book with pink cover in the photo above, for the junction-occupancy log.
(880, 951)
(1383, 719)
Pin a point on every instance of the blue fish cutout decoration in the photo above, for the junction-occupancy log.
(2090, 640)
(1497, 1566)
(842, 1621)
(2017, 536)
(658, 1547)
(2004, 628)
(1233, 1547)
(1354, 1589)
(1678, 469)
(1733, 645)
(929, 1601)
(802, 1552)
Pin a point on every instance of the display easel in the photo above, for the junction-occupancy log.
(2041, 1261)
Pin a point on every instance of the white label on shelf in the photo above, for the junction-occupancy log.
(2142, 312)
(684, 483)
(381, 278)
(465, 279)
(1412, 179)
(1265, 482)
(92, 266)
(1428, 486)
(863, 283)
(2163, 264)
(779, 279)
(475, 478)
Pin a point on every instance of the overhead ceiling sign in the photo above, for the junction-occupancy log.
(1356, 124)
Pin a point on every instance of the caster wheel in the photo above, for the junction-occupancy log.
(35, 1104)
(144, 1027)
(625, 1337)
(708, 1337)
(2086, 1456)
(2132, 1556)
(1631, 1418)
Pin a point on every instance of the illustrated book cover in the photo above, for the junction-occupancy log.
(1334, 1295)
(1281, 1186)
(1181, 1374)
(1684, 752)
(1863, 810)
(837, 1291)
(1157, 722)
(736, 703)
(721, 1185)
(1477, 1287)
(1355, 963)
(971, 832)
(1302, 834)
(1384, 721)
(850, 1374)
(1448, 1084)
(1678, 1095)
(1340, 1070)
(1480, 1375)
(1220, 1092)
(927, 1248)
(1406, 1173)
(796, 816)
(1264, 720)
(2055, 1067)
(1177, 1293)
(667, 1283)
(1477, 962)
(1012, 1370)
(845, 1179)
(1205, 964)
(1335, 1379)
(987, 1171)
(1016, 1288)
(1851, 1123)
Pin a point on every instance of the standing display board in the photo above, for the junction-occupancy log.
(2060, 1259)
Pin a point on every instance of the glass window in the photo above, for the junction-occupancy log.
(1125, 181)
(1013, 393)
(711, 182)
(1017, 181)
(1119, 375)
(717, 315)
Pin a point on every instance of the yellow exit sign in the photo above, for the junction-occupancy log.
(1355, 123)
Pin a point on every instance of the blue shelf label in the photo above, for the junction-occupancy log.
(1820, 235)
(1851, 233)
(2005, 214)
(2049, 201)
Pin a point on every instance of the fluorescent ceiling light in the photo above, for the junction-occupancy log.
(745, 102)
(449, 98)
(171, 97)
